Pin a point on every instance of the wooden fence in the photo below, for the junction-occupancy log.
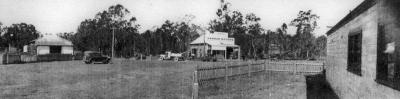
(229, 70)
(301, 68)
(215, 72)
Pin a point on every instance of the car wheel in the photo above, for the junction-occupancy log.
(176, 59)
(91, 62)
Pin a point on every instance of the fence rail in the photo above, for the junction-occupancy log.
(210, 73)
(305, 68)
(202, 74)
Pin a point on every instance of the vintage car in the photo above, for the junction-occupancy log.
(172, 56)
(95, 57)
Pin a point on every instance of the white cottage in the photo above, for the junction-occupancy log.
(51, 47)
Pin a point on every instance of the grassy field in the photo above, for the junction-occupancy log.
(127, 79)
(123, 79)
(261, 85)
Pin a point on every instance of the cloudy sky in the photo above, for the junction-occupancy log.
(55, 16)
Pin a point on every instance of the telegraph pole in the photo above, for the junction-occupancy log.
(8, 53)
(112, 45)
(9, 48)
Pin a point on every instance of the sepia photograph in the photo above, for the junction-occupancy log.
(199, 49)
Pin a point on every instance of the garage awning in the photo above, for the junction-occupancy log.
(218, 47)
(221, 47)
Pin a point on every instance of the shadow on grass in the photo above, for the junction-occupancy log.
(319, 88)
(260, 85)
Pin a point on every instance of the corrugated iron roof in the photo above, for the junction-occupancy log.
(52, 40)
(364, 6)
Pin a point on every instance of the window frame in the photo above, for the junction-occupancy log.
(351, 57)
(382, 76)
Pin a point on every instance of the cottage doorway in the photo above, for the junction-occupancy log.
(55, 49)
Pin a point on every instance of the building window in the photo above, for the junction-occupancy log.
(354, 52)
(55, 49)
(387, 69)
(194, 51)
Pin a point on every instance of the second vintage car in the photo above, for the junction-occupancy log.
(95, 57)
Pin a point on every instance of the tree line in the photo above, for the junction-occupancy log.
(17, 35)
(96, 34)
(255, 41)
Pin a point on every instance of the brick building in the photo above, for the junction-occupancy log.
(364, 53)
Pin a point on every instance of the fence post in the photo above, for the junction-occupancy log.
(214, 74)
(265, 63)
(239, 69)
(231, 74)
(226, 71)
(226, 79)
(296, 65)
(195, 92)
(249, 68)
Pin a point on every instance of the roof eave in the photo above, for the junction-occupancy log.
(364, 6)
(51, 45)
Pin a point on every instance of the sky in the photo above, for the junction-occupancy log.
(56, 16)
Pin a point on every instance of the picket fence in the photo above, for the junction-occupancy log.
(226, 70)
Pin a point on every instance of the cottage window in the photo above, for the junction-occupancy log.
(387, 68)
(354, 52)
(194, 51)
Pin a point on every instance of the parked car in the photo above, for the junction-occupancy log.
(172, 56)
(95, 57)
(78, 55)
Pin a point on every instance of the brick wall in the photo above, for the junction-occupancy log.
(346, 84)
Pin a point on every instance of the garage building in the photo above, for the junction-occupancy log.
(215, 44)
